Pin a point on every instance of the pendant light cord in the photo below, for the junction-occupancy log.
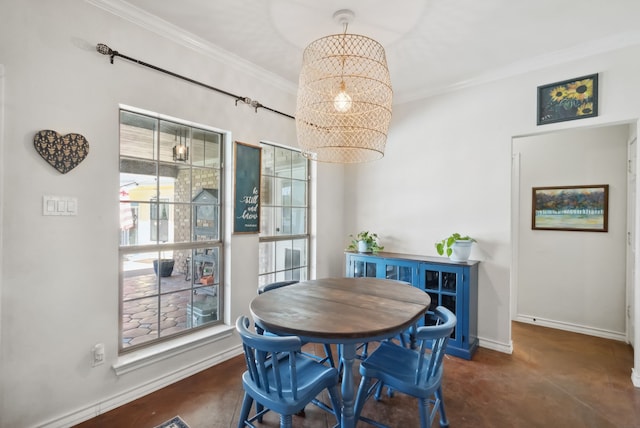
(342, 57)
(106, 50)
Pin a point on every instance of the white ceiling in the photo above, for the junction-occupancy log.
(431, 45)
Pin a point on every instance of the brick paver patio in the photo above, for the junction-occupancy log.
(160, 314)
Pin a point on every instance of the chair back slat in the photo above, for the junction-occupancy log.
(430, 357)
(274, 285)
(264, 356)
(251, 364)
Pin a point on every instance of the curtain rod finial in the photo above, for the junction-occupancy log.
(106, 50)
(103, 49)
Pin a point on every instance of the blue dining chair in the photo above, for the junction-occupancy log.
(278, 378)
(415, 372)
(328, 354)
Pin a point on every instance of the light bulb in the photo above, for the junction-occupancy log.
(342, 101)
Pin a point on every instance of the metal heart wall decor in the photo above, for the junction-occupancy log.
(63, 152)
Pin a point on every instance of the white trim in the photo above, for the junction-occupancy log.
(632, 192)
(575, 328)
(506, 348)
(166, 117)
(515, 232)
(143, 19)
(282, 146)
(165, 29)
(162, 351)
(635, 378)
(636, 279)
(585, 50)
(117, 400)
(2, 159)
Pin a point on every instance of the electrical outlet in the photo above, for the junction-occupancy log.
(97, 354)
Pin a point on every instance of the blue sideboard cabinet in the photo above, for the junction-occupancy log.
(453, 285)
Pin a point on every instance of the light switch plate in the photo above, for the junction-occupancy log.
(59, 205)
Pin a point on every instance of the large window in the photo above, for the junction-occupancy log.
(170, 229)
(284, 232)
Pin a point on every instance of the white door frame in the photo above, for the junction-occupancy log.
(635, 290)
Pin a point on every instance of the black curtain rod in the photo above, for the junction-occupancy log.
(106, 50)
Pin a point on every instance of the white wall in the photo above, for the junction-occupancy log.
(574, 280)
(447, 168)
(59, 275)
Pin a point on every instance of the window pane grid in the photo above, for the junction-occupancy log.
(170, 248)
(284, 235)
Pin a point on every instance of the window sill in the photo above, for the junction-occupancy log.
(162, 351)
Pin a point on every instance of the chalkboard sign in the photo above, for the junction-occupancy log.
(246, 213)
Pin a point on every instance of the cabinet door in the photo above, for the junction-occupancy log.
(377, 267)
(362, 267)
(444, 284)
(400, 270)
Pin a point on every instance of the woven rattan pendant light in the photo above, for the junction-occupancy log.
(344, 98)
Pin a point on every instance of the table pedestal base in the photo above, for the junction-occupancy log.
(348, 400)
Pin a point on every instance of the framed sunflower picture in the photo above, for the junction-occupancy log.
(568, 100)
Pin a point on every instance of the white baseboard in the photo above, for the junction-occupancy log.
(575, 328)
(506, 348)
(635, 378)
(125, 397)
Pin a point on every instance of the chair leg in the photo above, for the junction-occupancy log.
(286, 421)
(423, 406)
(363, 394)
(247, 401)
(365, 350)
(443, 415)
(329, 354)
(336, 403)
(378, 393)
(259, 409)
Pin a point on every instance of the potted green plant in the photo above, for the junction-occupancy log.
(365, 242)
(456, 246)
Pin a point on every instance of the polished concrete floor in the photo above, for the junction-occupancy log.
(553, 379)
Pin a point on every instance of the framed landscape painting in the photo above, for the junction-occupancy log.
(568, 100)
(573, 208)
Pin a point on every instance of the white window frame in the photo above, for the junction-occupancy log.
(193, 331)
(280, 270)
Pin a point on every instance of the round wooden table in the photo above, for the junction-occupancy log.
(343, 311)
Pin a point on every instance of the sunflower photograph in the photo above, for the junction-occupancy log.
(568, 100)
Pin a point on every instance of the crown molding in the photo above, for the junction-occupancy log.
(169, 31)
(139, 17)
(551, 59)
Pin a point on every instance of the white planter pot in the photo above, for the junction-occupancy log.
(461, 251)
(363, 247)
